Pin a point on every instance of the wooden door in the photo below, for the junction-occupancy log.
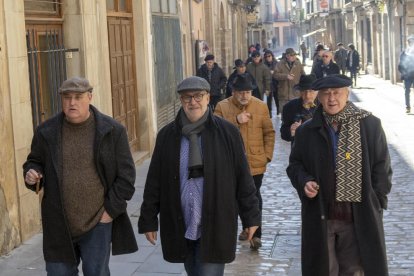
(123, 82)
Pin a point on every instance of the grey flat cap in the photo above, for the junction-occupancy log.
(193, 84)
(75, 84)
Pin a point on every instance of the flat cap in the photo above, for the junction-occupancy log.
(290, 52)
(75, 84)
(209, 57)
(332, 81)
(193, 84)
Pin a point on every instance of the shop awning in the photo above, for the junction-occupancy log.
(314, 32)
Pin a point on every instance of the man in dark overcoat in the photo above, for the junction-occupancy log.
(340, 167)
(198, 183)
(82, 161)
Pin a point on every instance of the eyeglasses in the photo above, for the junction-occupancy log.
(197, 97)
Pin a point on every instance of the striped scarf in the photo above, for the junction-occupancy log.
(349, 153)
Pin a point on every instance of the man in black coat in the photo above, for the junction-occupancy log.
(239, 69)
(406, 68)
(82, 161)
(211, 72)
(340, 167)
(326, 67)
(352, 62)
(299, 110)
(198, 182)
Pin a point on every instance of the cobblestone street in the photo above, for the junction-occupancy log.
(280, 254)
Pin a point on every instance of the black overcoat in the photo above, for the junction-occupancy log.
(228, 191)
(218, 78)
(115, 168)
(312, 159)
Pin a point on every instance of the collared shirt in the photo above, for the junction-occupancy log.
(191, 194)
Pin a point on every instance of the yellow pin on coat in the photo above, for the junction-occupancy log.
(347, 155)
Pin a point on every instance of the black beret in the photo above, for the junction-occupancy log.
(209, 57)
(332, 81)
(193, 84)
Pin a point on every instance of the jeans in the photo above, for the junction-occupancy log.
(407, 85)
(194, 267)
(93, 248)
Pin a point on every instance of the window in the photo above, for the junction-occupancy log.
(164, 6)
(42, 8)
(119, 6)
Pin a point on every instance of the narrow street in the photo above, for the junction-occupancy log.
(280, 254)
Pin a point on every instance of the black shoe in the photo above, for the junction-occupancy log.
(407, 110)
(255, 243)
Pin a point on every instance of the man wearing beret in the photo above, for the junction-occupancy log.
(340, 167)
(198, 183)
(215, 76)
(299, 110)
(81, 159)
(251, 116)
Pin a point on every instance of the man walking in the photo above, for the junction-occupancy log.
(342, 180)
(326, 67)
(406, 68)
(261, 74)
(340, 57)
(304, 52)
(215, 76)
(352, 62)
(251, 116)
(198, 182)
(81, 159)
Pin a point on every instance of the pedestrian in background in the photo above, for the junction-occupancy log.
(317, 56)
(215, 76)
(261, 74)
(287, 73)
(342, 180)
(299, 110)
(304, 52)
(251, 116)
(352, 63)
(326, 67)
(82, 161)
(340, 57)
(271, 62)
(406, 68)
(198, 183)
(239, 68)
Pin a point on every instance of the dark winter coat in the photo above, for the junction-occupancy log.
(115, 168)
(292, 112)
(340, 58)
(312, 159)
(228, 191)
(406, 66)
(355, 61)
(218, 78)
(321, 70)
(261, 74)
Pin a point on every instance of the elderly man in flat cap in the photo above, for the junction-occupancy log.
(215, 76)
(82, 161)
(251, 116)
(198, 183)
(340, 167)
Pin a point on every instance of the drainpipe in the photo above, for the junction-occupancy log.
(190, 14)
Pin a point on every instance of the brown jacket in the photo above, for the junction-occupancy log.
(258, 134)
(285, 86)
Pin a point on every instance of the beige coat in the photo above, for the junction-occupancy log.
(258, 134)
(285, 86)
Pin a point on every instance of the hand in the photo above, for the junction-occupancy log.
(291, 77)
(311, 189)
(293, 128)
(151, 237)
(244, 117)
(106, 218)
(32, 177)
(250, 231)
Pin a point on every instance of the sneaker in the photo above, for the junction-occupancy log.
(408, 110)
(243, 235)
(255, 243)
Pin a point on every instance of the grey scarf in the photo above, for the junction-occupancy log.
(349, 153)
(191, 132)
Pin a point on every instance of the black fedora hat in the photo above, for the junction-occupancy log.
(305, 82)
(243, 82)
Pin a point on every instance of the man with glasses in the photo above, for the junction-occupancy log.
(251, 116)
(326, 67)
(260, 73)
(82, 161)
(340, 167)
(198, 183)
(287, 73)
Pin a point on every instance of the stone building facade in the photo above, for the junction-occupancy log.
(129, 50)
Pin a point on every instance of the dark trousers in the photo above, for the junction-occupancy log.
(304, 59)
(194, 267)
(407, 86)
(258, 183)
(353, 72)
(213, 101)
(93, 248)
(273, 94)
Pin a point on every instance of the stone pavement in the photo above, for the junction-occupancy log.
(280, 254)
